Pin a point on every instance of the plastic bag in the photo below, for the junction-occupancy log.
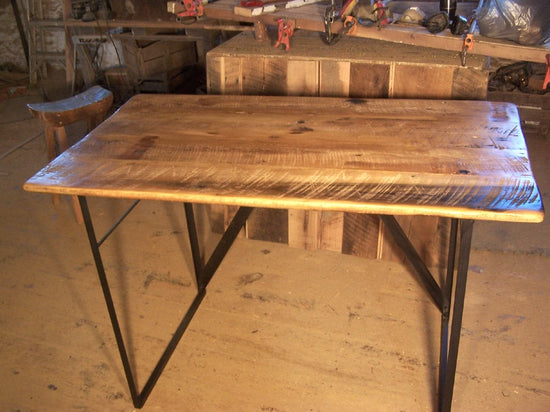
(525, 22)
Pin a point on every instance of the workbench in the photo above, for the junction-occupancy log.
(461, 160)
(219, 15)
(311, 18)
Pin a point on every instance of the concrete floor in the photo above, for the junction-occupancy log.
(281, 329)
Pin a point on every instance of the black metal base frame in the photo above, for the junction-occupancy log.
(461, 233)
(442, 296)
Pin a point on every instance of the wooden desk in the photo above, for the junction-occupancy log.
(465, 160)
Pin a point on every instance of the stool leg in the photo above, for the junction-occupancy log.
(95, 120)
(50, 142)
(91, 123)
(62, 142)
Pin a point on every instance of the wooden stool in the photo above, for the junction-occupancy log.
(91, 105)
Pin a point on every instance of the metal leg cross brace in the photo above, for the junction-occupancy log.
(461, 234)
(203, 273)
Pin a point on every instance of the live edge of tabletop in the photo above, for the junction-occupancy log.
(458, 159)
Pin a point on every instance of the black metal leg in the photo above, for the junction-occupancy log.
(445, 312)
(193, 240)
(203, 273)
(466, 229)
(223, 246)
(442, 296)
(157, 371)
(94, 245)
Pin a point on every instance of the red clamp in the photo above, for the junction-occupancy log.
(468, 42)
(547, 78)
(466, 47)
(381, 12)
(285, 33)
(350, 25)
(192, 8)
(252, 3)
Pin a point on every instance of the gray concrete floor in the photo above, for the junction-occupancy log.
(281, 329)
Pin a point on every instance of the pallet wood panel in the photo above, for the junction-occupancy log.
(334, 78)
(319, 229)
(355, 68)
(361, 235)
(469, 84)
(259, 225)
(302, 78)
(369, 80)
(275, 73)
(147, 58)
(422, 81)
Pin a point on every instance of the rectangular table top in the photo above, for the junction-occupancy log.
(462, 159)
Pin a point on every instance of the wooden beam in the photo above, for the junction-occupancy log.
(482, 45)
(21, 29)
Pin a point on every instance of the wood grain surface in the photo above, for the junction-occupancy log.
(463, 159)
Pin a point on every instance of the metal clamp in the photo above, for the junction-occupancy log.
(185, 9)
(286, 30)
(466, 47)
(330, 16)
(349, 25)
(547, 78)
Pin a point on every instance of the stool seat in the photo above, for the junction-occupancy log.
(91, 105)
(60, 113)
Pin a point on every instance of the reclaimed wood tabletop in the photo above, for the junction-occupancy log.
(460, 159)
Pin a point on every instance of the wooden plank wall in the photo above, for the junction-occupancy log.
(355, 68)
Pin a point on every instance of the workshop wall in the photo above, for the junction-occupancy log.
(12, 56)
(11, 50)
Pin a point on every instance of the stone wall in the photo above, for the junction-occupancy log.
(11, 49)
